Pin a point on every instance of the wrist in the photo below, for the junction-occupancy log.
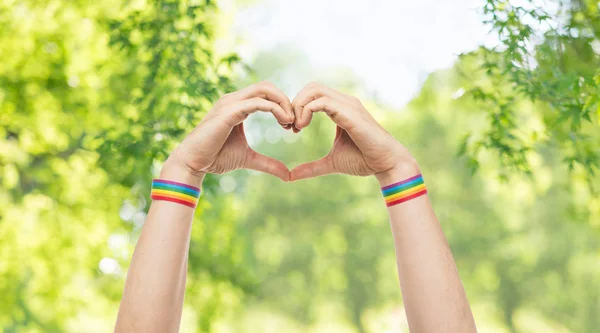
(406, 168)
(174, 171)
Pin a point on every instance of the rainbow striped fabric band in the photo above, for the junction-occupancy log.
(403, 191)
(166, 190)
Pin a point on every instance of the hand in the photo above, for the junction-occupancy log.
(218, 144)
(362, 147)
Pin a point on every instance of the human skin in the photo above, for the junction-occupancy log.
(433, 294)
(154, 290)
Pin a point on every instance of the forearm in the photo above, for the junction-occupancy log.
(154, 290)
(155, 286)
(433, 294)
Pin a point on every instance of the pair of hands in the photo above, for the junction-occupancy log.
(362, 147)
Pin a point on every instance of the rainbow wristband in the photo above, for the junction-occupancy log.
(166, 190)
(404, 191)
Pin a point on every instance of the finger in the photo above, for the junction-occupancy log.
(237, 112)
(265, 90)
(219, 126)
(266, 164)
(311, 92)
(313, 169)
(339, 112)
(315, 90)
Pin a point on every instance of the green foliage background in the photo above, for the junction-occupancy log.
(94, 95)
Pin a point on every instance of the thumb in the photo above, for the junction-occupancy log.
(266, 164)
(313, 169)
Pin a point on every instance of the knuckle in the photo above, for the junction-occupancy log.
(220, 107)
(225, 97)
(240, 108)
(313, 84)
(230, 120)
(312, 93)
(257, 101)
(326, 102)
(297, 109)
(264, 85)
(254, 99)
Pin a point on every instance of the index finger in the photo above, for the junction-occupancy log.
(316, 90)
(311, 92)
(265, 90)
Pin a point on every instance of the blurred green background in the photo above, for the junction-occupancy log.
(95, 94)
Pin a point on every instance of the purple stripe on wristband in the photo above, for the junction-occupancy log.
(400, 183)
(176, 183)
